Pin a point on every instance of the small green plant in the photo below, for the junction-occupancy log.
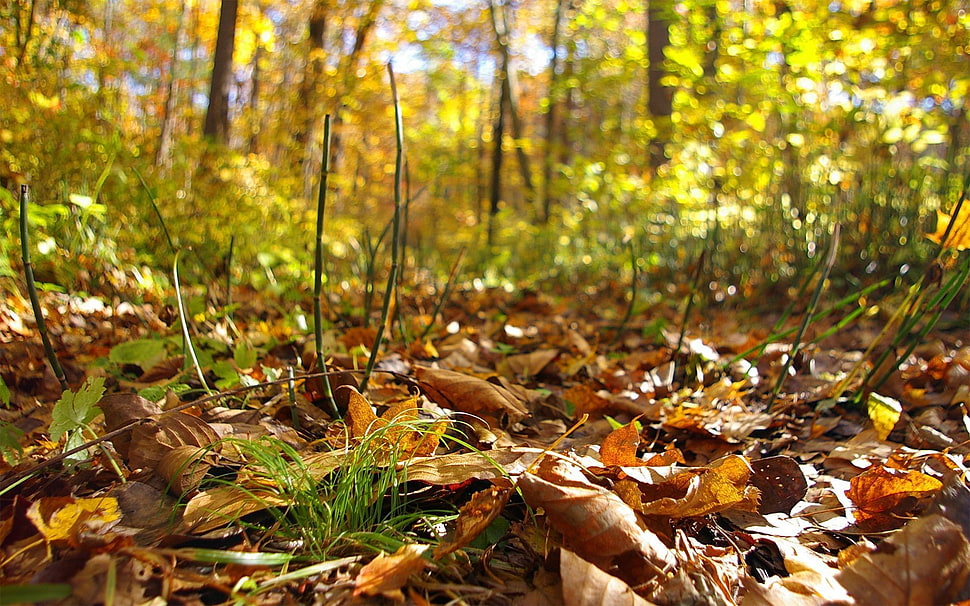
(72, 416)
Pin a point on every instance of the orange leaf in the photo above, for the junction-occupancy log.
(884, 497)
(474, 517)
(386, 574)
(959, 237)
(620, 446)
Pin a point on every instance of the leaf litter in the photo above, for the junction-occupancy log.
(539, 456)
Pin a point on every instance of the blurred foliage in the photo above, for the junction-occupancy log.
(788, 117)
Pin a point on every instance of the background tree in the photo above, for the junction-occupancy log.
(216, 125)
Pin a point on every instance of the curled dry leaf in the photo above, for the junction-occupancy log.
(122, 408)
(594, 522)
(397, 422)
(474, 517)
(469, 394)
(927, 562)
(695, 492)
(884, 497)
(583, 584)
(386, 574)
(151, 441)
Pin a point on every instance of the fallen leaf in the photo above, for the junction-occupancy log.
(472, 395)
(474, 517)
(583, 584)
(594, 522)
(781, 483)
(884, 497)
(620, 446)
(927, 562)
(959, 237)
(385, 575)
(59, 519)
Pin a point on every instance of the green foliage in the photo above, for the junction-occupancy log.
(74, 412)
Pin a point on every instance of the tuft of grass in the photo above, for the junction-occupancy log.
(361, 505)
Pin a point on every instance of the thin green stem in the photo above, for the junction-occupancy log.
(184, 321)
(318, 271)
(32, 291)
(830, 259)
(396, 232)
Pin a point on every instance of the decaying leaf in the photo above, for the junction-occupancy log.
(474, 517)
(472, 395)
(150, 442)
(59, 519)
(595, 523)
(885, 497)
(781, 483)
(927, 562)
(583, 584)
(385, 575)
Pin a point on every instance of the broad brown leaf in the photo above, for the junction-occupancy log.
(594, 522)
(583, 584)
(927, 562)
(469, 394)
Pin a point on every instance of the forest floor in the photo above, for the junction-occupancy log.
(530, 450)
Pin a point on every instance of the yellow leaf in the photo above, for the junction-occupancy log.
(959, 237)
(884, 413)
(59, 518)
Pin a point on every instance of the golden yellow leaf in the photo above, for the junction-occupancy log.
(60, 518)
(959, 237)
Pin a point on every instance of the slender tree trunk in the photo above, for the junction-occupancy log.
(216, 125)
(309, 98)
(500, 24)
(365, 26)
(550, 118)
(256, 122)
(498, 132)
(660, 101)
(166, 133)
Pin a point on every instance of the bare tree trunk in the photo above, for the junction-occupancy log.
(551, 113)
(309, 99)
(364, 27)
(166, 133)
(216, 125)
(500, 23)
(660, 102)
(495, 191)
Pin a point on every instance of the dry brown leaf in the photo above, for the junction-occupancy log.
(925, 563)
(594, 522)
(184, 467)
(885, 497)
(474, 517)
(150, 442)
(122, 408)
(469, 394)
(583, 584)
(781, 482)
(222, 505)
(385, 575)
(527, 364)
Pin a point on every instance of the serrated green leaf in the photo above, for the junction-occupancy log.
(143, 353)
(75, 410)
(10, 448)
(4, 393)
(245, 357)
